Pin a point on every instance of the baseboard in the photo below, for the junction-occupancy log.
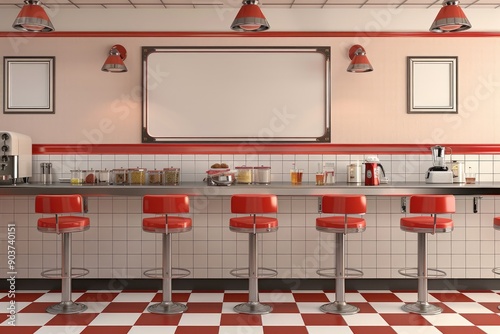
(242, 284)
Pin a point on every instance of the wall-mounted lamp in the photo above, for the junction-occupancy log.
(359, 61)
(250, 18)
(33, 18)
(114, 62)
(451, 18)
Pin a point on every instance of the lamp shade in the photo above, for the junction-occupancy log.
(114, 63)
(359, 60)
(451, 18)
(250, 18)
(33, 18)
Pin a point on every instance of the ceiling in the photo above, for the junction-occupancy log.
(193, 4)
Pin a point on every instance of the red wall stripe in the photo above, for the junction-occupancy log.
(256, 148)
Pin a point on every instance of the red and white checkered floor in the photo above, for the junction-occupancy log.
(295, 312)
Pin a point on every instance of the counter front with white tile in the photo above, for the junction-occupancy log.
(116, 247)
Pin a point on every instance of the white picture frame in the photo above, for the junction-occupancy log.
(29, 85)
(432, 84)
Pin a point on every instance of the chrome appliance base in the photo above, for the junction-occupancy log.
(167, 308)
(253, 308)
(339, 308)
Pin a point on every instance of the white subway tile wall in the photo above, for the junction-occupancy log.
(116, 247)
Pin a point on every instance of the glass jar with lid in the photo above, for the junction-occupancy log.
(103, 176)
(89, 176)
(119, 176)
(244, 174)
(262, 175)
(155, 177)
(137, 176)
(76, 177)
(172, 176)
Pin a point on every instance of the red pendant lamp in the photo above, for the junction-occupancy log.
(114, 63)
(33, 18)
(451, 18)
(359, 60)
(250, 18)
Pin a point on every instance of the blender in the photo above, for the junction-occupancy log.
(439, 172)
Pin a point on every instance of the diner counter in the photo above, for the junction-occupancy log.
(277, 188)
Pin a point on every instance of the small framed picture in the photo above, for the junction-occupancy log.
(432, 84)
(28, 85)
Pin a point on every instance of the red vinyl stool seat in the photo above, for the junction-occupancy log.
(65, 225)
(343, 205)
(165, 224)
(431, 206)
(253, 204)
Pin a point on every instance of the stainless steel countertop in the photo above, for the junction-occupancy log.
(277, 188)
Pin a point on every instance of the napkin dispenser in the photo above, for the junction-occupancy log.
(16, 157)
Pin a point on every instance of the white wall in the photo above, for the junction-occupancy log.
(98, 107)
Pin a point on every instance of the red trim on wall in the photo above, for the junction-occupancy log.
(256, 148)
(245, 34)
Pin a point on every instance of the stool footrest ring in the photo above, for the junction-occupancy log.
(261, 272)
(56, 273)
(496, 270)
(412, 272)
(158, 273)
(349, 272)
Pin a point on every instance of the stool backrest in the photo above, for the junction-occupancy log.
(163, 204)
(343, 204)
(432, 204)
(58, 203)
(254, 203)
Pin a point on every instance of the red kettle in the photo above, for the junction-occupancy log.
(372, 175)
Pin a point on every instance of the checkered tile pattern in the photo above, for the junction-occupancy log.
(295, 312)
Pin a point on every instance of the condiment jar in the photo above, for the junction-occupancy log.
(89, 176)
(155, 177)
(171, 176)
(76, 177)
(244, 174)
(137, 176)
(102, 176)
(262, 175)
(120, 176)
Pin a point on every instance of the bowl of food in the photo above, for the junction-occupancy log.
(225, 178)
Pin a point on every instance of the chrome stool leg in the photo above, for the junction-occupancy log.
(66, 306)
(167, 306)
(339, 306)
(422, 305)
(253, 306)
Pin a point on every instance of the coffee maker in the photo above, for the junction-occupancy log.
(439, 172)
(16, 157)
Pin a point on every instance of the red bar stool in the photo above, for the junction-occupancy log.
(65, 225)
(253, 224)
(165, 224)
(341, 225)
(423, 225)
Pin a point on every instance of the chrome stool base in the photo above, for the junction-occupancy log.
(253, 308)
(167, 308)
(339, 308)
(422, 308)
(66, 308)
